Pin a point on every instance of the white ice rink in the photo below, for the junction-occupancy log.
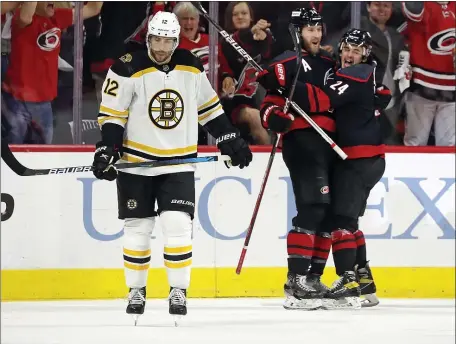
(224, 321)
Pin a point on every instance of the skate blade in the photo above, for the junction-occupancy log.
(292, 303)
(135, 318)
(177, 320)
(345, 303)
(370, 300)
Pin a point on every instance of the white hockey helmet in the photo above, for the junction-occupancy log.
(164, 24)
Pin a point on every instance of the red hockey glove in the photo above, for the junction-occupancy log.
(273, 78)
(275, 119)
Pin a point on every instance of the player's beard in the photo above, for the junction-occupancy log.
(160, 57)
(311, 48)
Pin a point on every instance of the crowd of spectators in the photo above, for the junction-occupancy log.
(38, 58)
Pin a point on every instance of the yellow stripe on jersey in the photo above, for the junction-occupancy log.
(111, 112)
(144, 71)
(202, 117)
(209, 103)
(190, 69)
(117, 120)
(158, 151)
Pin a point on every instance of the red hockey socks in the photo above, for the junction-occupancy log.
(344, 250)
(320, 253)
(361, 254)
(300, 243)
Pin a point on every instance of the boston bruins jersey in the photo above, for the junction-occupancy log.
(159, 106)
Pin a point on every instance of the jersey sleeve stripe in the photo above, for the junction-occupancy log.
(203, 117)
(190, 69)
(109, 119)
(410, 15)
(210, 102)
(112, 112)
(203, 111)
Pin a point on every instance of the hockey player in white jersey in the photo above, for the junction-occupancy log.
(151, 105)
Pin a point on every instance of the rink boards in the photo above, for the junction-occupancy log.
(63, 239)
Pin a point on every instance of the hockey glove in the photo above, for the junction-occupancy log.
(236, 148)
(104, 160)
(275, 119)
(382, 97)
(273, 78)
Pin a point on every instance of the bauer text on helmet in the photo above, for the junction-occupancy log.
(162, 36)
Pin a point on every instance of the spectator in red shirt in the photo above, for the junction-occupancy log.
(31, 79)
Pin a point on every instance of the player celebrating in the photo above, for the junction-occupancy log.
(350, 92)
(151, 105)
(307, 156)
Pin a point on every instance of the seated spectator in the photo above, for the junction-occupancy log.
(31, 79)
(430, 100)
(239, 78)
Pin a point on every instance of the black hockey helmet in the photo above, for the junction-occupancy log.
(359, 38)
(301, 17)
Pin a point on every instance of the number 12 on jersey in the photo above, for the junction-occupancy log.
(111, 87)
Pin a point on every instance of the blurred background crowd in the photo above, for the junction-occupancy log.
(55, 55)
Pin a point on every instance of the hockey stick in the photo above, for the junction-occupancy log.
(296, 41)
(23, 171)
(255, 65)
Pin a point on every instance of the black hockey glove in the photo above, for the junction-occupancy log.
(104, 160)
(275, 119)
(273, 78)
(236, 148)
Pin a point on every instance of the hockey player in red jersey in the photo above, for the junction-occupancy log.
(431, 98)
(307, 156)
(349, 92)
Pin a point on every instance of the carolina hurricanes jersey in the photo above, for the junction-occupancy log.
(431, 37)
(199, 47)
(159, 106)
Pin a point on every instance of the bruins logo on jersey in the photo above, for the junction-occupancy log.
(126, 58)
(166, 109)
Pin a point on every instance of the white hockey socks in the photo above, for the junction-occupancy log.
(136, 250)
(177, 232)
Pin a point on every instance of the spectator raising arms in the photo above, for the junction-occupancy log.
(430, 33)
(31, 79)
(256, 40)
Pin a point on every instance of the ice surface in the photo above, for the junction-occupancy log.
(223, 321)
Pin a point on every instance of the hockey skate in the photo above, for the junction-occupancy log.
(288, 286)
(177, 304)
(367, 286)
(344, 293)
(314, 281)
(136, 302)
(304, 297)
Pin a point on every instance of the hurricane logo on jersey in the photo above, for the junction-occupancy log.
(443, 42)
(49, 40)
(166, 109)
